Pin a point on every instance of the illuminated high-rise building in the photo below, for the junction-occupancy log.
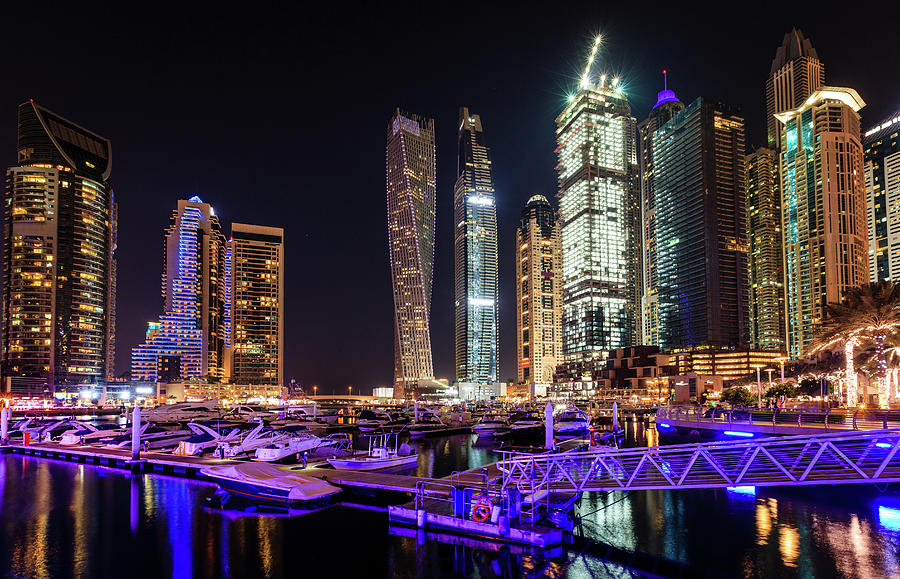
(823, 208)
(767, 329)
(475, 257)
(667, 106)
(881, 151)
(59, 268)
(188, 340)
(254, 305)
(795, 73)
(701, 223)
(410, 176)
(599, 214)
(538, 292)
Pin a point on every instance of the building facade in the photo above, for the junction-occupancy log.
(767, 327)
(881, 153)
(189, 338)
(667, 106)
(795, 73)
(823, 208)
(410, 176)
(637, 373)
(254, 305)
(730, 364)
(476, 306)
(701, 236)
(538, 293)
(599, 218)
(59, 267)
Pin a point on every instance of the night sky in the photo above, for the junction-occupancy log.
(277, 116)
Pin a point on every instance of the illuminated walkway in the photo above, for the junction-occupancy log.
(839, 458)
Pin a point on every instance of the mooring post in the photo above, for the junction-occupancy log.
(136, 433)
(548, 426)
(615, 417)
(4, 425)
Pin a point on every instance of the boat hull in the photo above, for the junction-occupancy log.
(372, 464)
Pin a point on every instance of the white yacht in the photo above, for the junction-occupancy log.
(383, 452)
(182, 412)
(491, 424)
(427, 423)
(529, 422)
(372, 420)
(151, 437)
(297, 441)
(571, 422)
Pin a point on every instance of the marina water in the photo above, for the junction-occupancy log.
(59, 519)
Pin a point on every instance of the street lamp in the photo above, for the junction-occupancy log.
(781, 362)
(758, 367)
(315, 390)
(770, 370)
(349, 390)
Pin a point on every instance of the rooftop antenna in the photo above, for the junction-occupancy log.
(665, 80)
(585, 82)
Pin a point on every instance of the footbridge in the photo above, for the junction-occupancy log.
(814, 459)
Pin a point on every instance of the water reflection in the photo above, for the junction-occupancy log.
(62, 519)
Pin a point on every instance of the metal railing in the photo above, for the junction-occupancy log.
(829, 418)
(828, 458)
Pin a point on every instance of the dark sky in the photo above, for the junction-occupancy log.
(277, 116)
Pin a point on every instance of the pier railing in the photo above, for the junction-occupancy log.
(828, 458)
(829, 418)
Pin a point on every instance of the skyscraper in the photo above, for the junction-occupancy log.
(410, 176)
(188, 341)
(766, 260)
(701, 225)
(795, 73)
(475, 257)
(59, 268)
(823, 208)
(881, 151)
(667, 106)
(598, 210)
(538, 292)
(254, 305)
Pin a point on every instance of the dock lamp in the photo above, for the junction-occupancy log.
(781, 362)
(758, 367)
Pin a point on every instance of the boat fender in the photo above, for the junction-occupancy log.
(481, 510)
(404, 450)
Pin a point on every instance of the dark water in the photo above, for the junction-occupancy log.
(64, 520)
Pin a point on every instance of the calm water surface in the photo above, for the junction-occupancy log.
(64, 520)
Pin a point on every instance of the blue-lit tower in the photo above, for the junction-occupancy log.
(189, 339)
(475, 257)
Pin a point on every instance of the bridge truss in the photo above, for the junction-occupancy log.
(838, 458)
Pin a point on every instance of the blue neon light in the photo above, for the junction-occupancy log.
(663, 425)
(739, 433)
(742, 490)
(883, 445)
(889, 518)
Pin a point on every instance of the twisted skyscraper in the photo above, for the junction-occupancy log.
(410, 175)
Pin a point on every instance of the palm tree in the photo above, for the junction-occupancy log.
(867, 314)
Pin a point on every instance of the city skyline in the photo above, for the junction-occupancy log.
(524, 167)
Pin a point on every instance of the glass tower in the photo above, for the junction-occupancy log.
(598, 210)
(410, 177)
(667, 106)
(254, 304)
(59, 268)
(766, 261)
(538, 292)
(475, 257)
(701, 225)
(823, 208)
(795, 73)
(189, 339)
(882, 171)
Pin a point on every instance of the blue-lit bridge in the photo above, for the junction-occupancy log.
(838, 458)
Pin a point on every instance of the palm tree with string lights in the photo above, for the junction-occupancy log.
(867, 316)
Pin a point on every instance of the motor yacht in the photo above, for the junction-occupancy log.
(297, 441)
(384, 452)
(492, 424)
(526, 423)
(207, 437)
(87, 433)
(182, 412)
(372, 420)
(428, 423)
(268, 483)
(571, 422)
